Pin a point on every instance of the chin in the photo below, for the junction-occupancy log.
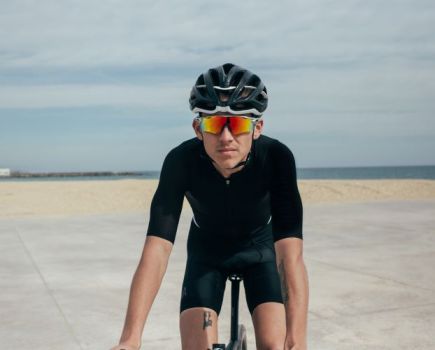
(228, 163)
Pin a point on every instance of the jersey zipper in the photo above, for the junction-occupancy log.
(228, 201)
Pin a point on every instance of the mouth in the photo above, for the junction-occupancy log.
(229, 152)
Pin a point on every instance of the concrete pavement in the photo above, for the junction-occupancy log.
(65, 280)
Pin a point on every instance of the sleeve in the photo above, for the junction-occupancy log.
(167, 202)
(286, 203)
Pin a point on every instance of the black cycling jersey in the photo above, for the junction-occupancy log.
(229, 209)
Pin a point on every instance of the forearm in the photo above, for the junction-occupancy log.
(295, 292)
(144, 287)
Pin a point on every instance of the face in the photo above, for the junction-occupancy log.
(226, 149)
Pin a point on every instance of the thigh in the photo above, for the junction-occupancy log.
(203, 286)
(262, 284)
(201, 300)
(198, 328)
(269, 324)
(263, 295)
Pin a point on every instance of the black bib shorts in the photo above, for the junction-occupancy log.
(211, 262)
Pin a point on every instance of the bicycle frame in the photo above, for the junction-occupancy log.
(238, 332)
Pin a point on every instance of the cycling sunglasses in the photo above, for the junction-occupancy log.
(239, 124)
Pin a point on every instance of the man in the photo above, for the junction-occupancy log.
(247, 218)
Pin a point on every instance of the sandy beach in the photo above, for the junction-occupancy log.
(30, 198)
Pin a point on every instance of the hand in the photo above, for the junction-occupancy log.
(125, 347)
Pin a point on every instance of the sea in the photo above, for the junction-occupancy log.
(344, 173)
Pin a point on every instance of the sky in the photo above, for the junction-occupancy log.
(104, 86)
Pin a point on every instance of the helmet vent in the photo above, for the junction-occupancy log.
(253, 80)
(260, 98)
(202, 90)
(235, 79)
(246, 92)
(239, 106)
(224, 95)
(214, 76)
(227, 67)
(200, 80)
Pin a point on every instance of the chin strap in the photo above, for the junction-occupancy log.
(242, 162)
(247, 158)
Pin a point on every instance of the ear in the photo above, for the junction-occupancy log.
(258, 129)
(197, 129)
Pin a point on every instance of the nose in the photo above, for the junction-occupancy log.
(226, 133)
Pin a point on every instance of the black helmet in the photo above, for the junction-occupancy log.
(228, 88)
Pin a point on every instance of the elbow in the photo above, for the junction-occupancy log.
(156, 250)
(292, 260)
(290, 249)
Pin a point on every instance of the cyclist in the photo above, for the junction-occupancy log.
(247, 218)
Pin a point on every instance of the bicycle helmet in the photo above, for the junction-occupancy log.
(228, 88)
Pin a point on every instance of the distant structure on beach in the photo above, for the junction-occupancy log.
(5, 172)
(89, 174)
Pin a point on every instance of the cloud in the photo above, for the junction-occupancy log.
(122, 33)
(331, 67)
(161, 97)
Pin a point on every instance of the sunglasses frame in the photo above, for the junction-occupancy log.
(253, 120)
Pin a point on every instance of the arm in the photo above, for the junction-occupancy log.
(145, 285)
(294, 286)
(165, 212)
(287, 219)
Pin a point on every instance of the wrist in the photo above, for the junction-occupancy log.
(124, 346)
(131, 337)
(131, 342)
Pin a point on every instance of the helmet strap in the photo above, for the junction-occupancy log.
(247, 158)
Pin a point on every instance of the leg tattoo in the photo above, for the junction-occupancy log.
(207, 320)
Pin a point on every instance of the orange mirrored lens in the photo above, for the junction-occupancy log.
(215, 124)
(240, 125)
